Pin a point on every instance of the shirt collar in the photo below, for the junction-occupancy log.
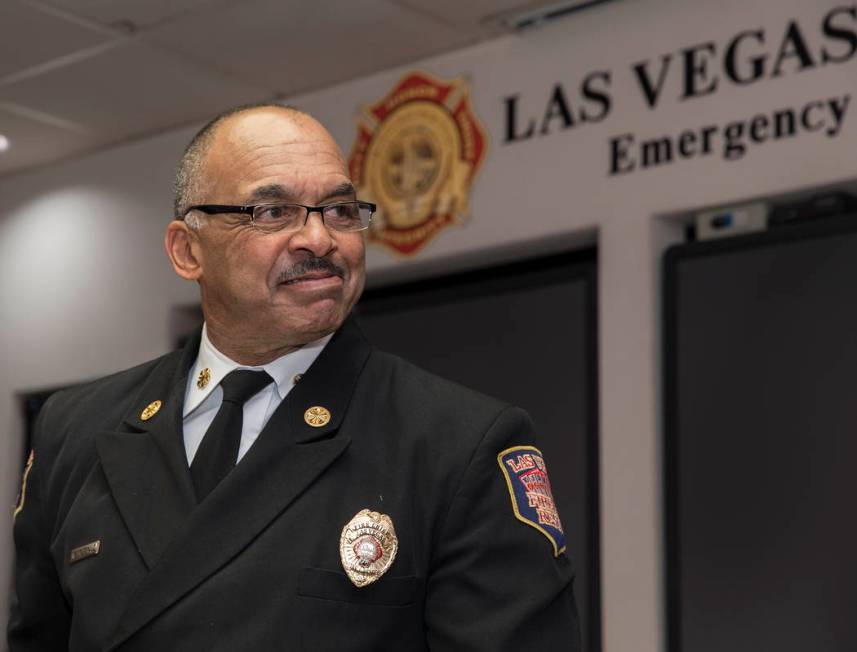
(283, 370)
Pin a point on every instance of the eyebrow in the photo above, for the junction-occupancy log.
(280, 192)
(271, 191)
(345, 188)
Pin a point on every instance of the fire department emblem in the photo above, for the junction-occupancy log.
(530, 489)
(367, 547)
(415, 155)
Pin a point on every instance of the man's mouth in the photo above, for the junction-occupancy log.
(313, 276)
(311, 269)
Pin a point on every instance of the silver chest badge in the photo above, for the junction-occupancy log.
(367, 546)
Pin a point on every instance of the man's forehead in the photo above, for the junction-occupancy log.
(271, 126)
(261, 146)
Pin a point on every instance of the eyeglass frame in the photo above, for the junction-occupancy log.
(223, 209)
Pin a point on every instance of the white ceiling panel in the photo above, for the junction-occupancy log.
(29, 37)
(297, 46)
(95, 73)
(33, 142)
(131, 90)
(130, 14)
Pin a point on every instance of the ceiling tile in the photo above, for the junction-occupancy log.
(297, 46)
(34, 143)
(29, 37)
(132, 90)
(131, 13)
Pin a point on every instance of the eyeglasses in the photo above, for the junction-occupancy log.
(340, 216)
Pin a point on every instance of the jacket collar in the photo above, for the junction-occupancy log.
(217, 365)
(144, 460)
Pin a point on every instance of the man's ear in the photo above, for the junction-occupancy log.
(182, 245)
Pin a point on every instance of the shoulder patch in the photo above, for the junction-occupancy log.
(530, 489)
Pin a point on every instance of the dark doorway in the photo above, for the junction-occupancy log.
(760, 419)
(525, 333)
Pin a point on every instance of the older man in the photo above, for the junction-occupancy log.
(280, 484)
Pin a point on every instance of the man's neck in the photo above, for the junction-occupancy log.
(252, 353)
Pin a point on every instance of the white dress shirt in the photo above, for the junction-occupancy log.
(202, 403)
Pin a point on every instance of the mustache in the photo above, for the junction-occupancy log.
(308, 265)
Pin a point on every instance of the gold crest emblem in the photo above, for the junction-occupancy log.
(150, 410)
(204, 377)
(317, 416)
(416, 153)
(367, 547)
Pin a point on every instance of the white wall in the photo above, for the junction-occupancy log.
(85, 289)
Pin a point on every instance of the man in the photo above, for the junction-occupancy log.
(373, 506)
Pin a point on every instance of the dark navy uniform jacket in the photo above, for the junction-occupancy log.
(256, 565)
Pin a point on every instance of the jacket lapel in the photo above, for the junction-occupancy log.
(145, 463)
(286, 458)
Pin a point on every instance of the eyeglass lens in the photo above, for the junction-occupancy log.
(343, 216)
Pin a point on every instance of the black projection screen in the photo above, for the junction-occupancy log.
(526, 333)
(761, 441)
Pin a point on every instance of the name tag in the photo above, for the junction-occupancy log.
(83, 552)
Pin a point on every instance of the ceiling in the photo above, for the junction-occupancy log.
(81, 75)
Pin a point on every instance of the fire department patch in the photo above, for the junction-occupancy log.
(416, 153)
(530, 489)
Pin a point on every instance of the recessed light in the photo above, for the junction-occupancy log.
(4, 143)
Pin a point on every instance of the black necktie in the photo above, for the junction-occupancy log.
(218, 452)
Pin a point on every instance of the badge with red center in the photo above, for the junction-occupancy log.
(367, 546)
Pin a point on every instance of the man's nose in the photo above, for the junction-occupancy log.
(314, 236)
